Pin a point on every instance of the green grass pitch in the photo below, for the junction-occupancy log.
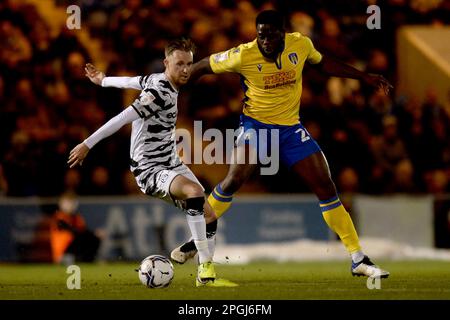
(258, 281)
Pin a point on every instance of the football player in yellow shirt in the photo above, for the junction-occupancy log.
(271, 71)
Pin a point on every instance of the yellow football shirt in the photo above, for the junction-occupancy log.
(272, 91)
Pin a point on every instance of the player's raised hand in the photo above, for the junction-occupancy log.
(378, 81)
(93, 74)
(78, 154)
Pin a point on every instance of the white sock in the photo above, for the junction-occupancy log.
(197, 225)
(203, 251)
(212, 245)
(357, 256)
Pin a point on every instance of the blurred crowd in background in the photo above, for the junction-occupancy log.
(374, 143)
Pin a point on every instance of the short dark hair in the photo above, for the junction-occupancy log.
(271, 17)
(182, 44)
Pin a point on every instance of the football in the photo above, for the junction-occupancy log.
(156, 271)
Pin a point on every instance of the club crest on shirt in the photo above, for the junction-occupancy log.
(293, 58)
(259, 66)
(146, 98)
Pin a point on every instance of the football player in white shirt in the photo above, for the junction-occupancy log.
(154, 160)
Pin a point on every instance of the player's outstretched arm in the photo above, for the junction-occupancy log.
(199, 69)
(79, 153)
(99, 78)
(336, 68)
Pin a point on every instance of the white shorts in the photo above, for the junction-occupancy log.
(159, 183)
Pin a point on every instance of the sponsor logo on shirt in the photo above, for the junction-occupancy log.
(279, 79)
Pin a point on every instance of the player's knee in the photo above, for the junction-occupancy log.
(193, 191)
(194, 206)
(326, 190)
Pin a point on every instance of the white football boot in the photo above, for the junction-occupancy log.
(368, 269)
(184, 252)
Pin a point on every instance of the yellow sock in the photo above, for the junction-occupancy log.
(340, 222)
(219, 201)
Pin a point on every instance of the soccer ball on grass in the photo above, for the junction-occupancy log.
(156, 271)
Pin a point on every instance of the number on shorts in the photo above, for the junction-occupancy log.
(303, 135)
